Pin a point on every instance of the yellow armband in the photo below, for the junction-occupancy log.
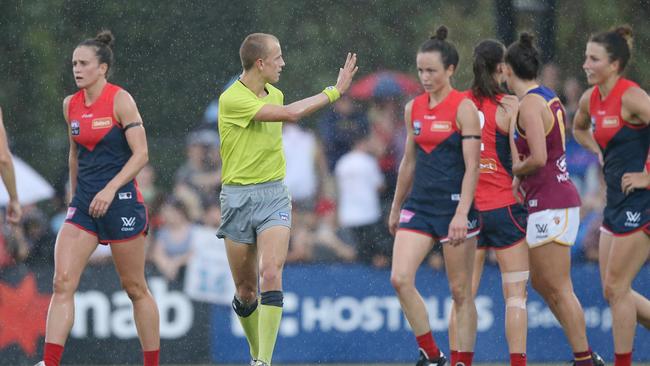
(332, 93)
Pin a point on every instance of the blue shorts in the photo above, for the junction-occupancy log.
(435, 226)
(120, 223)
(502, 227)
(625, 220)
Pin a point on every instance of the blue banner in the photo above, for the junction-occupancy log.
(349, 313)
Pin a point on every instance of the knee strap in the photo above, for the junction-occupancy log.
(513, 277)
(516, 302)
(241, 309)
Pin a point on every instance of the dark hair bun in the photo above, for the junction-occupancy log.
(106, 37)
(441, 33)
(625, 31)
(526, 39)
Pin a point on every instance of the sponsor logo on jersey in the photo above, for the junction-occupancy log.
(125, 195)
(532, 203)
(441, 126)
(610, 122)
(472, 224)
(406, 215)
(100, 123)
(488, 165)
(417, 127)
(87, 115)
(633, 218)
(455, 196)
(128, 223)
(430, 116)
(284, 216)
(74, 128)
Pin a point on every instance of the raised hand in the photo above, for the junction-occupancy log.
(346, 73)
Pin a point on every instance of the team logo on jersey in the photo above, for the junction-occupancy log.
(488, 165)
(633, 218)
(100, 123)
(406, 216)
(610, 122)
(124, 195)
(472, 224)
(128, 223)
(417, 127)
(284, 216)
(441, 126)
(74, 128)
(556, 220)
(70, 214)
(561, 163)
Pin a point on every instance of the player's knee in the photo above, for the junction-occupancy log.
(63, 284)
(613, 291)
(246, 292)
(244, 308)
(515, 284)
(270, 274)
(461, 293)
(401, 281)
(134, 289)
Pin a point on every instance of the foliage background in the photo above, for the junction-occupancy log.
(174, 56)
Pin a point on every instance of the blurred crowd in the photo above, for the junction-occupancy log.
(341, 173)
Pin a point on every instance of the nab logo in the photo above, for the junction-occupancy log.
(128, 223)
(541, 228)
(633, 218)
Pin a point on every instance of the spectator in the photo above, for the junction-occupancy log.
(359, 183)
(172, 247)
(202, 170)
(337, 125)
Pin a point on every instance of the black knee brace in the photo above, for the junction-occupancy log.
(241, 309)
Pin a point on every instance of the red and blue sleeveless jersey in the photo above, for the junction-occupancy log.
(549, 187)
(625, 146)
(439, 165)
(102, 148)
(495, 179)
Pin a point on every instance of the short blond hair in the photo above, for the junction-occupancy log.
(254, 47)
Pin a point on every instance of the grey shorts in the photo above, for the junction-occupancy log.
(248, 210)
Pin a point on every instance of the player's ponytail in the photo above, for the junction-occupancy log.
(524, 57)
(439, 43)
(488, 55)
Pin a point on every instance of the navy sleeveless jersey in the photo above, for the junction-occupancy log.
(102, 148)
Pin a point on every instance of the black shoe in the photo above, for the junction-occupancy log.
(595, 359)
(424, 361)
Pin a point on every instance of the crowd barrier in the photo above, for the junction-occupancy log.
(332, 313)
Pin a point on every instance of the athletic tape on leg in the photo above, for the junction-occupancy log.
(512, 277)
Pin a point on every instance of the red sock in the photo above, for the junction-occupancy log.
(52, 354)
(428, 345)
(454, 356)
(465, 358)
(622, 359)
(151, 357)
(517, 359)
(583, 358)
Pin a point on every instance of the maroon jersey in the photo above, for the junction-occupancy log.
(549, 187)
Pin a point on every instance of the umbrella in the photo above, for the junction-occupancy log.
(31, 186)
(384, 84)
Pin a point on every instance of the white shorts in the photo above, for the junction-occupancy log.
(553, 225)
